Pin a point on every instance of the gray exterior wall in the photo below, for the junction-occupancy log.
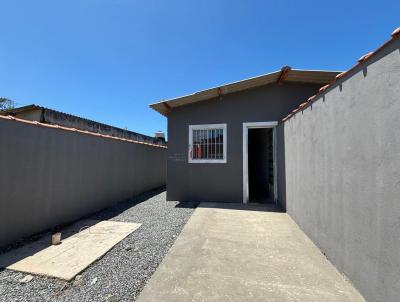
(343, 175)
(223, 182)
(52, 176)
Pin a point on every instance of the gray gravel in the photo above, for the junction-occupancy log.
(122, 273)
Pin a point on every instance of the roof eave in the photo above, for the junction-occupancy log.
(291, 75)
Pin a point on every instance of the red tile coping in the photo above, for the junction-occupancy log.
(323, 88)
(311, 98)
(394, 35)
(341, 75)
(365, 57)
(396, 32)
(9, 117)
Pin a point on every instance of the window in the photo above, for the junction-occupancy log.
(207, 143)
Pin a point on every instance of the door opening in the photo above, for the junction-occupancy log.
(259, 162)
(260, 165)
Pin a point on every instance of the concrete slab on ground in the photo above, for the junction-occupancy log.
(230, 252)
(84, 243)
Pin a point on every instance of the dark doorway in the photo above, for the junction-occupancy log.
(261, 165)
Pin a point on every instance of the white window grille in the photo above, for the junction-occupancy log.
(207, 143)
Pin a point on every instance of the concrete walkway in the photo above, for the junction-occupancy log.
(241, 254)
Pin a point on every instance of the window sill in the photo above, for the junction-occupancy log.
(207, 161)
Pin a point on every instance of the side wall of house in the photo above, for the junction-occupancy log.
(223, 182)
(343, 174)
(51, 176)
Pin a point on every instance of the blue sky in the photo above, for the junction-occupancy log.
(108, 59)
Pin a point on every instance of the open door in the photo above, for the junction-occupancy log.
(259, 163)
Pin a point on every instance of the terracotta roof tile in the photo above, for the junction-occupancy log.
(311, 98)
(323, 88)
(365, 57)
(396, 32)
(341, 75)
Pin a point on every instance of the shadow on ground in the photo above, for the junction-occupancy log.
(37, 242)
(267, 207)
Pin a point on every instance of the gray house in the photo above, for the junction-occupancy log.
(226, 143)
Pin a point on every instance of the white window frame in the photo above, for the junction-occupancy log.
(207, 127)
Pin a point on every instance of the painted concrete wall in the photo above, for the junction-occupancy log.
(343, 175)
(223, 182)
(52, 176)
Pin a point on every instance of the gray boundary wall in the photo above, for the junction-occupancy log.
(343, 174)
(51, 176)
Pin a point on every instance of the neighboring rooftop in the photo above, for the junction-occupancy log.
(286, 74)
(53, 117)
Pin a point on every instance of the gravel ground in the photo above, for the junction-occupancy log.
(122, 273)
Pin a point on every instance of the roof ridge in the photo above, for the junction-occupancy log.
(246, 79)
(293, 75)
